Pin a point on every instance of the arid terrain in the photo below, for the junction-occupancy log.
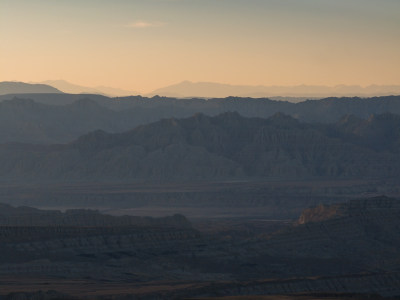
(199, 150)
(340, 248)
(211, 206)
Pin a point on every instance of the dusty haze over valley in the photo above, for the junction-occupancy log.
(199, 149)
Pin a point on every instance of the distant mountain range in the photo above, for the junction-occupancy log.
(61, 118)
(227, 146)
(11, 87)
(71, 88)
(59, 86)
(188, 89)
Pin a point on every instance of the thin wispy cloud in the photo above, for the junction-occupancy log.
(145, 24)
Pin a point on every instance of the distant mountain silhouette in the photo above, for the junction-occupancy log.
(12, 87)
(23, 120)
(227, 146)
(212, 90)
(187, 89)
(71, 88)
(61, 118)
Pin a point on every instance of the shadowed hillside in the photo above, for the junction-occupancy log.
(31, 121)
(227, 146)
(60, 118)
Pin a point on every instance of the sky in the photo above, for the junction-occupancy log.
(143, 45)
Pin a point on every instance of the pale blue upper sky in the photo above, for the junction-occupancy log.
(146, 44)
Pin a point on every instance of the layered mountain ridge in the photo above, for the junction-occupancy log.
(227, 146)
(61, 118)
(211, 89)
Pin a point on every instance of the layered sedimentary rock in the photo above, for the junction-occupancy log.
(349, 247)
(77, 243)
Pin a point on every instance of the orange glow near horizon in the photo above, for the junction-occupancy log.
(143, 46)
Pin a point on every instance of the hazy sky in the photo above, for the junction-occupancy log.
(145, 44)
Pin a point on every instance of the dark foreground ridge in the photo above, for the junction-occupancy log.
(346, 248)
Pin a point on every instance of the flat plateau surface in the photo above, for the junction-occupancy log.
(207, 199)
